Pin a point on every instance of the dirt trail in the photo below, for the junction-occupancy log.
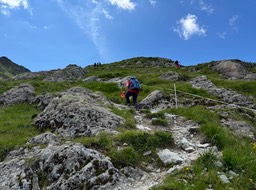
(180, 129)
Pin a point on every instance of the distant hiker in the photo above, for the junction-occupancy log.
(177, 64)
(99, 64)
(132, 89)
(95, 65)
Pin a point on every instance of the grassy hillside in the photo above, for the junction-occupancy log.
(239, 154)
(9, 69)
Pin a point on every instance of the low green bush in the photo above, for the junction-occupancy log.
(124, 157)
(159, 121)
(160, 115)
(143, 141)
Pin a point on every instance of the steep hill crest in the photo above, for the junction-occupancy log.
(9, 69)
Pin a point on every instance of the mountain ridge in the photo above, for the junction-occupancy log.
(9, 69)
(70, 129)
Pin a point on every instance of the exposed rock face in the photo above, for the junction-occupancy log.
(31, 75)
(20, 94)
(228, 114)
(168, 157)
(43, 100)
(78, 112)
(68, 166)
(120, 81)
(71, 72)
(149, 62)
(228, 96)
(91, 79)
(45, 138)
(240, 128)
(233, 70)
(172, 76)
(151, 99)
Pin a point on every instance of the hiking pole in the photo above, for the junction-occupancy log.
(175, 94)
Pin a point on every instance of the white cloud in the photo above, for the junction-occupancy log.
(106, 13)
(206, 7)
(232, 22)
(15, 3)
(7, 5)
(88, 16)
(4, 10)
(95, 2)
(222, 35)
(153, 2)
(123, 4)
(188, 27)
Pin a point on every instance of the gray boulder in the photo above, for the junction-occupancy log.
(69, 166)
(31, 75)
(71, 72)
(91, 79)
(169, 157)
(172, 76)
(43, 100)
(153, 98)
(78, 112)
(227, 95)
(20, 94)
(240, 128)
(233, 70)
(46, 139)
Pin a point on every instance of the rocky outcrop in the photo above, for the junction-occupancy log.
(20, 94)
(152, 99)
(43, 100)
(233, 70)
(92, 79)
(32, 75)
(169, 157)
(172, 76)
(71, 72)
(240, 128)
(227, 95)
(78, 112)
(67, 166)
(149, 62)
(45, 139)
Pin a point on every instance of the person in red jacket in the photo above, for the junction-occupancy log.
(177, 64)
(132, 89)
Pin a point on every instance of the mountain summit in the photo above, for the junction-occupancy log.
(10, 69)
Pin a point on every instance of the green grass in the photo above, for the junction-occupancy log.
(127, 148)
(143, 141)
(239, 155)
(241, 86)
(16, 127)
(132, 145)
(127, 156)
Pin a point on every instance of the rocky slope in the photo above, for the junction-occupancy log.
(9, 68)
(51, 161)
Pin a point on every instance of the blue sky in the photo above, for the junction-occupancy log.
(51, 34)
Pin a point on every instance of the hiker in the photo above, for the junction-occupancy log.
(177, 65)
(132, 89)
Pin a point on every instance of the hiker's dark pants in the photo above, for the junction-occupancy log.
(134, 97)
